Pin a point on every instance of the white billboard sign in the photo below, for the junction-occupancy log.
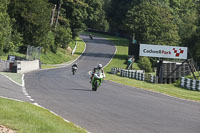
(163, 51)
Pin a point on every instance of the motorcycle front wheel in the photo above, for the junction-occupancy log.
(96, 85)
(73, 72)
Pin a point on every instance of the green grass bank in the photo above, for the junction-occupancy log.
(51, 60)
(27, 118)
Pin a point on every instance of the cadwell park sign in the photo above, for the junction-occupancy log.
(163, 51)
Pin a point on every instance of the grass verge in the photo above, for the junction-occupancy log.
(51, 60)
(27, 118)
(5, 56)
(119, 61)
(17, 77)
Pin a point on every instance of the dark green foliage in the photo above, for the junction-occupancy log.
(145, 64)
(15, 42)
(5, 26)
(116, 13)
(49, 42)
(53, 48)
(186, 17)
(152, 23)
(193, 42)
(190, 30)
(62, 37)
(32, 20)
(96, 16)
(76, 12)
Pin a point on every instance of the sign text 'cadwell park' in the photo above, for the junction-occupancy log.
(163, 51)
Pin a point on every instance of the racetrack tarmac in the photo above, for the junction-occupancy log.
(10, 90)
(114, 108)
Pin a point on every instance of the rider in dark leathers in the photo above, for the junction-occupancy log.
(74, 68)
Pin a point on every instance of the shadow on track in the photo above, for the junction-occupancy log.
(80, 90)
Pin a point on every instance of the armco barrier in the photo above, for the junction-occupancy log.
(190, 84)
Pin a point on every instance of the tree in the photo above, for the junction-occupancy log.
(193, 42)
(106, 5)
(32, 20)
(185, 14)
(76, 13)
(96, 16)
(152, 23)
(116, 13)
(145, 64)
(62, 37)
(5, 26)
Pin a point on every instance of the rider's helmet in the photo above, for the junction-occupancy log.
(75, 65)
(99, 66)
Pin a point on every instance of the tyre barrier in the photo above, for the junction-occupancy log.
(190, 84)
(115, 70)
(138, 74)
(153, 79)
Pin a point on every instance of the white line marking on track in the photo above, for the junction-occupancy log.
(25, 91)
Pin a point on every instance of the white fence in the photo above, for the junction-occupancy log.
(190, 84)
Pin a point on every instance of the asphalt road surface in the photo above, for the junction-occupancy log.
(11, 90)
(114, 108)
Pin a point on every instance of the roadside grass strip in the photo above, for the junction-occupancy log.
(14, 77)
(51, 60)
(27, 118)
(119, 61)
(168, 89)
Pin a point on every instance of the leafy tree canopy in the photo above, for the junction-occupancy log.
(5, 26)
(32, 20)
(152, 23)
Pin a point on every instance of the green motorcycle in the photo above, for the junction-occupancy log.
(97, 80)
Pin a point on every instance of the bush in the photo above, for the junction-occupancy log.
(50, 42)
(53, 48)
(63, 36)
(145, 64)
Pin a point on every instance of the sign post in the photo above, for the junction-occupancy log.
(163, 51)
